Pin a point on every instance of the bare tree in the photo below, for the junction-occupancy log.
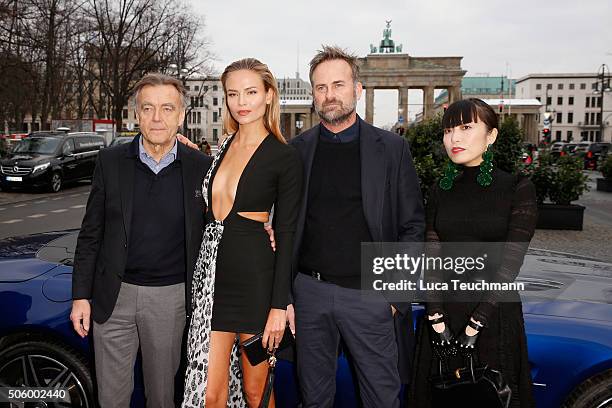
(135, 37)
(71, 58)
(46, 36)
(38, 35)
(13, 68)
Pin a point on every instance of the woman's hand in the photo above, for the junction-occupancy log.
(270, 232)
(469, 330)
(468, 338)
(182, 139)
(441, 334)
(275, 328)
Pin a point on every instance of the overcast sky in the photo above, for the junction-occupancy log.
(531, 36)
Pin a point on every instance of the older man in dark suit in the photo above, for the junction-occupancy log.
(137, 248)
(360, 186)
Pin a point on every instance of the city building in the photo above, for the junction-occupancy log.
(482, 87)
(525, 111)
(574, 103)
(297, 113)
(294, 89)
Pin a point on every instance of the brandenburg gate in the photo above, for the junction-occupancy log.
(386, 67)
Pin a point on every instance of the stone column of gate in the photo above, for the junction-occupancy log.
(369, 111)
(454, 94)
(428, 101)
(531, 128)
(292, 125)
(307, 121)
(402, 102)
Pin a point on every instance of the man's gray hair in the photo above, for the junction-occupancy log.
(157, 79)
(333, 52)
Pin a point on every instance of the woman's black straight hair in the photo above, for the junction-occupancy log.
(469, 110)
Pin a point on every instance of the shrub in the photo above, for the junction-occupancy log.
(541, 174)
(606, 167)
(568, 183)
(507, 149)
(427, 151)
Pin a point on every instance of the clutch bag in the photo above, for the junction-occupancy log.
(255, 351)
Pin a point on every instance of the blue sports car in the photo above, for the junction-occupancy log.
(569, 338)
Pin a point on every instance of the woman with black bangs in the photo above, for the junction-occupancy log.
(476, 202)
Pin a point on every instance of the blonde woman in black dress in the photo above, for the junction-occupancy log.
(241, 286)
(476, 202)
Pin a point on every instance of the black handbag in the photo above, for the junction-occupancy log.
(255, 351)
(480, 386)
(256, 354)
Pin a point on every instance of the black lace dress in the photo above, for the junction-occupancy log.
(505, 211)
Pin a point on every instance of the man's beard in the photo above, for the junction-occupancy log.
(337, 116)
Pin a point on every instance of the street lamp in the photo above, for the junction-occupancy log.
(549, 118)
(602, 86)
(181, 73)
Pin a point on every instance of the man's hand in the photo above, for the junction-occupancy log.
(275, 328)
(291, 319)
(270, 232)
(186, 141)
(80, 316)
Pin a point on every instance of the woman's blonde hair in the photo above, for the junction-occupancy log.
(272, 116)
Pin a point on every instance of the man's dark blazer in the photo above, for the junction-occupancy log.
(392, 205)
(102, 245)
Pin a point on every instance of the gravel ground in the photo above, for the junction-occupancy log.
(595, 240)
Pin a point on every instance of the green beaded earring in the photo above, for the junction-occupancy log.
(485, 178)
(450, 173)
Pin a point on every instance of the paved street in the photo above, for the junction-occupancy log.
(594, 240)
(23, 213)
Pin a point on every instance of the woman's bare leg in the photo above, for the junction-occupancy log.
(221, 344)
(254, 379)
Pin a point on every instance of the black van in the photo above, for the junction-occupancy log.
(48, 159)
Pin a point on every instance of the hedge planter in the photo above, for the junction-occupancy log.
(604, 184)
(560, 217)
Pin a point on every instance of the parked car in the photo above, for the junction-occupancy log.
(5, 147)
(569, 338)
(582, 147)
(42, 133)
(8, 142)
(121, 140)
(556, 148)
(593, 153)
(559, 149)
(48, 159)
(569, 149)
